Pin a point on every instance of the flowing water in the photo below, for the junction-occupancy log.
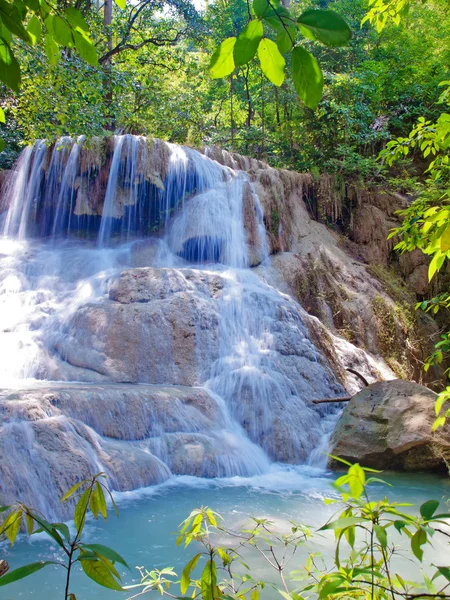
(190, 363)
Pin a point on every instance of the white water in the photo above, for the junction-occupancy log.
(253, 354)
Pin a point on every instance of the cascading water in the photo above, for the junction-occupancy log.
(158, 292)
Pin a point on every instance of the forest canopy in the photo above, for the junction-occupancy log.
(152, 77)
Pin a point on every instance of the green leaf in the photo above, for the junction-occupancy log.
(79, 516)
(34, 29)
(286, 39)
(417, 541)
(101, 500)
(428, 509)
(11, 526)
(307, 77)
(2, 145)
(121, 4)
(435, 264)
(63, 35)
(2, 115)
(62, 527)
(381, 534)
(99, 572)
(72, 490)
(272, 62)
(343, 523)
(247, 43)
(51, 49)
(12, 20)
(222, 61)
(186, 575)
(444, 571)
(76, 19)
(9, 67)
(94, 503)
(108, 553)
(326, 26)
(445, 240)
(86, 48)
(274, 13)
(209, 581)
(22, 572)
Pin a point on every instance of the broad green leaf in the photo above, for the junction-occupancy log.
(76, 19)
(428, 509)
(86, 48)
(5, 34)
(186, 575)
(98, 572)
(72, 490)
(222, 61)
(307, 77)
(108, 553)
(2, 145)
(63, 35)
(22, 572)
(9, 67)
(326, 26)
(51, 49)
(12, 20)
(417, 541)
(34, 29)
(274, 13)
(272, 62)
(286, 39)
(2, 115)
(247, 43)
(33, 4)
(121, 3)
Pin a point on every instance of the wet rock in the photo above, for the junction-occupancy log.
(388, 426)
(53, 435)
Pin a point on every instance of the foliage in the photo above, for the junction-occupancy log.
(325, 26)
(426, 222)
(366, 544)
(97, 561)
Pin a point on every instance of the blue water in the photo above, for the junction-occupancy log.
(144, 532)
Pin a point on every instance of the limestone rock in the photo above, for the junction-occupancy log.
(53, 435)
(388, 426)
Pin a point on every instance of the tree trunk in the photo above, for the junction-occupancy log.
(107, 65)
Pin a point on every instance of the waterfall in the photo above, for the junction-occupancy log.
(124, 267)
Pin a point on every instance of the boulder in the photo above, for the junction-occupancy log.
(388, 426)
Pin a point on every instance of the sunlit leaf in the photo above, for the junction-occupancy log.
(247, 43)
(272, 61)
(222, 61)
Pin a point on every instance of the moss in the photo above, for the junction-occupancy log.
(395, 327)
(275, 220)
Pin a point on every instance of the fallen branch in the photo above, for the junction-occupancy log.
(339, 399)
